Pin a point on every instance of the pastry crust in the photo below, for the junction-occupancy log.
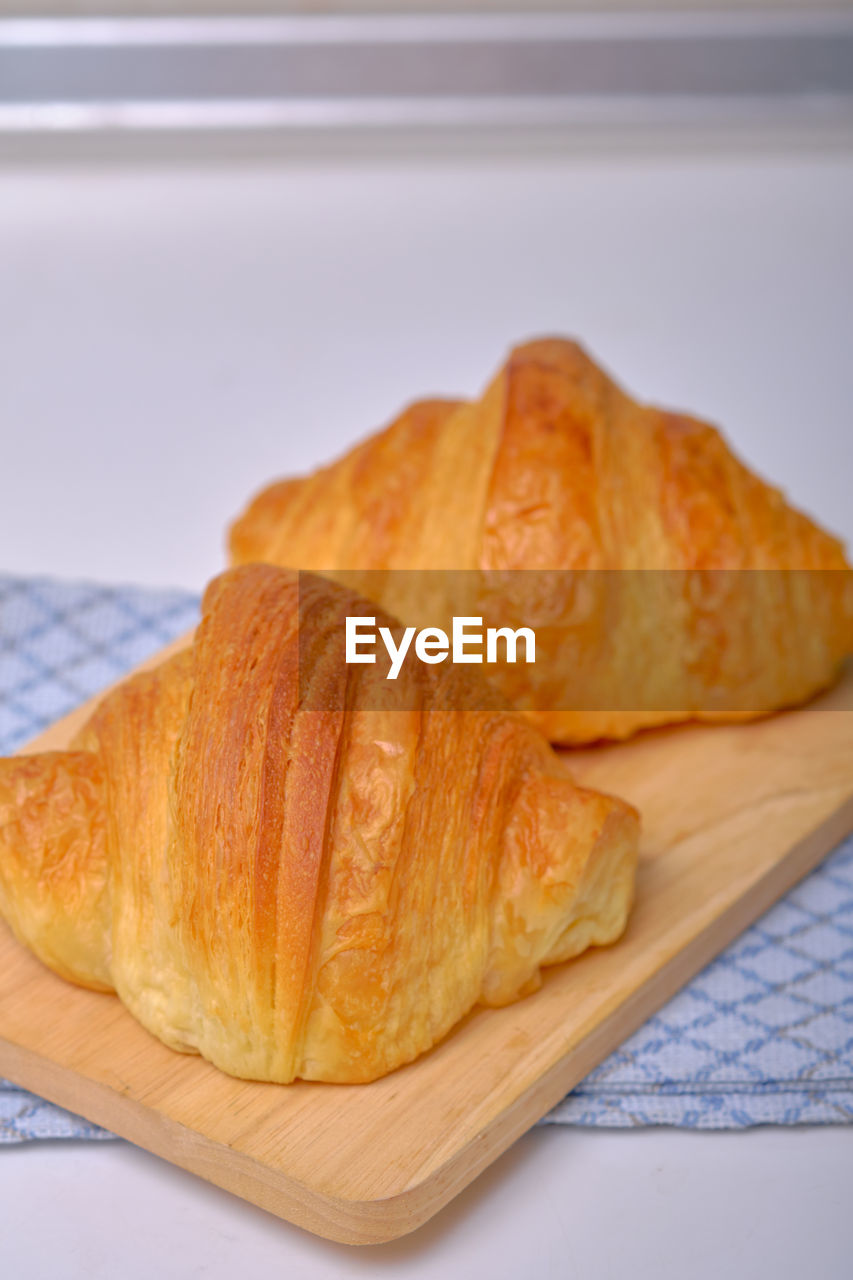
(727, 604)
(254, 846)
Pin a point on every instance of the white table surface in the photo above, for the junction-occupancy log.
(173, 336)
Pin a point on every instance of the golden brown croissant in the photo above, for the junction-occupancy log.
(256, 847)
(544, 487)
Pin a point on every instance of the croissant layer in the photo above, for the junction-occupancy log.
(257, 848)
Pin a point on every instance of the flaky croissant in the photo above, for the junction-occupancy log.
(257, 848)
(543, 488)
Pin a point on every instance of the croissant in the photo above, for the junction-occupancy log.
(254, 845)
(529, 499)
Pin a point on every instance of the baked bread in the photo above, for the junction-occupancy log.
(254, 846)
(529, 499)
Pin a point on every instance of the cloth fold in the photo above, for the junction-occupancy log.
(764, 1035)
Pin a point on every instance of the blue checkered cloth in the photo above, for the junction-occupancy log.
(764, 1035)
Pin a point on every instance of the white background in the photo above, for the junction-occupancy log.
(173, 339)
(175, 336)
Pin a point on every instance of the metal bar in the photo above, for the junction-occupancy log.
(249, 73)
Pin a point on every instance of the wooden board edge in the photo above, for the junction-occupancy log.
(378, 1221)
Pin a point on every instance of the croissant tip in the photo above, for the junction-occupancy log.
(547, 348)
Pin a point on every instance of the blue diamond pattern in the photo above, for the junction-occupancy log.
(764, 1035)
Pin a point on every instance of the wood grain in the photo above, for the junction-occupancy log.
(733, 816)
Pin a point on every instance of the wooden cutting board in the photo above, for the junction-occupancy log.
(733, 816)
